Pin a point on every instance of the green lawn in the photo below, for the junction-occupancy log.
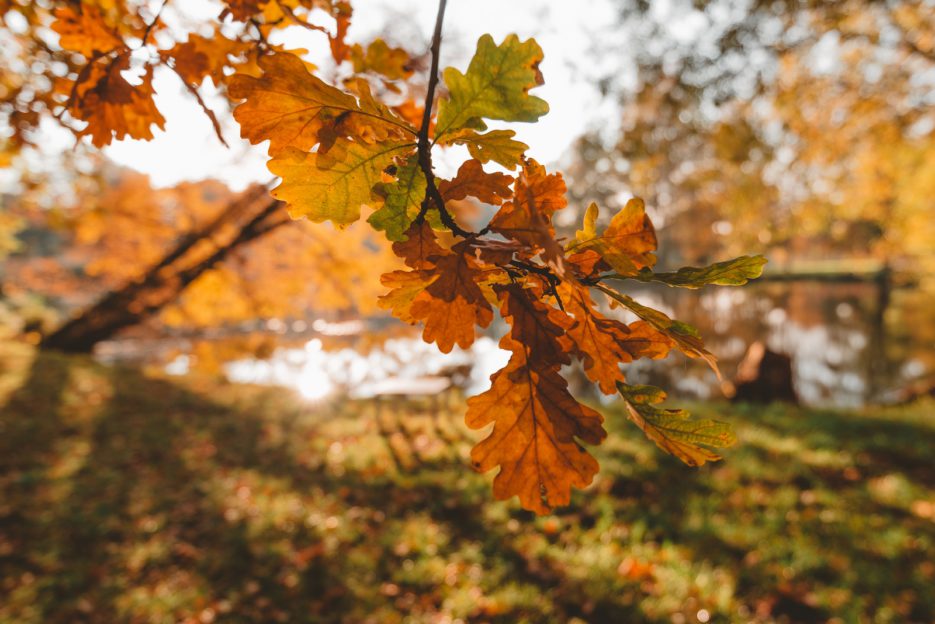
(134, 497)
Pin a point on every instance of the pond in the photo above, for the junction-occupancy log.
(850, 343)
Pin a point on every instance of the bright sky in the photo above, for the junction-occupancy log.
(189, 150)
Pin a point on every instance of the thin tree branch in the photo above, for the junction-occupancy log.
(204, 107)
(152, 24)
(432, 195)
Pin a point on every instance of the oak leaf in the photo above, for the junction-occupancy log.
(200, 57)
(736, 272)
(405, 287)
(392, 63)
(536, 329)
(534, 438)
(495, 86)
(673, 430)
(683, 335)
(316, 186)
(112, 107)
(242, 10)
(603, 344)
(402, 200)
(626, 244)
(84, 31)
(420, 247)
(528, 217)
(453, 303)
(472, 180)
(496, 145)
(290, 107)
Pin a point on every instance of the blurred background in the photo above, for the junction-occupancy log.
(804, 131)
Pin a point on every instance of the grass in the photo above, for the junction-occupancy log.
(128, 496)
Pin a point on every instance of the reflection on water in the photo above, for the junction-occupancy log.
(850, 343)
(841, 336)
(316, 373)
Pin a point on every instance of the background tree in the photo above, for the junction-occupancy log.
(359, 144)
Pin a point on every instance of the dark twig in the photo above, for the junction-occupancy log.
(432, 195)
(152, 24)
(210, 113)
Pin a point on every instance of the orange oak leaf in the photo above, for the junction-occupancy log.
(341, 11)
(534, 438)
(84, 31)
(536, 329)
(290, 107)
(603, 343)
(405, 287)
(112, 106)
(545, 191)
(453, 303)
(645, 341)
(472, 180)
(683, 336)
(420, 247)
(528, 217)
(242, 10)
(627, 244)
(200, 57)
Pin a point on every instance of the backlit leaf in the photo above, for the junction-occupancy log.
(113, 108)
(496, 145)
(321, 189)
(402, 200)
(495, 86)
(289, 107)
(534, 438)
(682, 334)
(603, 343)
(83, 30)
(454, 303)
(673, 430)
(473, 181)
(736, 272)
(627, 243)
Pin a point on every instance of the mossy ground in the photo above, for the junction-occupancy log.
(128, 496)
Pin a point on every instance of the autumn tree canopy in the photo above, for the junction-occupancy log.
(359, 145)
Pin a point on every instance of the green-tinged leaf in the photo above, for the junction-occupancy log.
(628, 242)
(496, 145)
(495, 86)
(321, 188)
(402, 200)
(673, 430)
(736, 272)
(686, 337)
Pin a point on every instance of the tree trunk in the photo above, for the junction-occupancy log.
(243, 222)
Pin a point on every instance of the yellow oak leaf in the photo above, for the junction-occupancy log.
(320, 188)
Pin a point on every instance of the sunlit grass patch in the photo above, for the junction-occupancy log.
(127, 496)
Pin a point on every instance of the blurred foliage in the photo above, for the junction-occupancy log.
(134, 497)
(807, 127)
(115, 229)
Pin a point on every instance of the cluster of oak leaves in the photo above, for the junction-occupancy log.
(341, 150)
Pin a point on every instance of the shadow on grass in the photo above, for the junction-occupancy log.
(152, 503)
